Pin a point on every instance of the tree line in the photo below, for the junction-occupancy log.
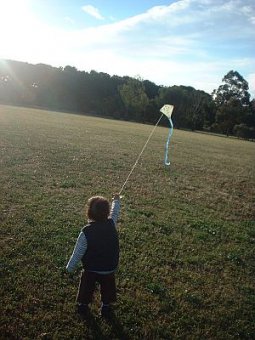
(227, 110)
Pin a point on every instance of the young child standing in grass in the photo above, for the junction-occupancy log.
(97, 247)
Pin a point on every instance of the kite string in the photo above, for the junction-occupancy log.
(139, 156)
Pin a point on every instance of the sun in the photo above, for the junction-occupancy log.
(25, 34)
(16, 27)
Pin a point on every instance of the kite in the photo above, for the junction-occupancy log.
(167, 111)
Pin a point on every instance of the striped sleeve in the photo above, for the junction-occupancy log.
(78, 252)
(115, 210)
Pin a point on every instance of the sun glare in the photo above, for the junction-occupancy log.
(16, 28)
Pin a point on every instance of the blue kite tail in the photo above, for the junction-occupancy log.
(167, 162)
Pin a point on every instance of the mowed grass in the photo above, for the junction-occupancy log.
(186, 231)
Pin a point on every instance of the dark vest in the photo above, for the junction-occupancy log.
(102, 246)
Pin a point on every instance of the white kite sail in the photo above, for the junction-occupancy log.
(167, 110)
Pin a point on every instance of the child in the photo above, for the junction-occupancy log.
(97, 247)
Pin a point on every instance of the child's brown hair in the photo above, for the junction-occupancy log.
(98, 209)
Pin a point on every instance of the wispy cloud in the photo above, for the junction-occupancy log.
(93, 11)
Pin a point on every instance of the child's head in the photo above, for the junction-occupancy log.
(98, 209)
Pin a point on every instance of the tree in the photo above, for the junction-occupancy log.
(228, 115)
(234, 87)
(134, 98)
(191, 106)
(196, 109)
(151, 89)
(232, 100)
(244, 131)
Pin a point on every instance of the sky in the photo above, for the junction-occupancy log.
(175, 42)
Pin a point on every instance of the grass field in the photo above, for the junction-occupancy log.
(186, 231)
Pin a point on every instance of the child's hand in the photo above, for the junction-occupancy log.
(116, 197)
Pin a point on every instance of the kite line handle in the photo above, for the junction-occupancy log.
(139, 156)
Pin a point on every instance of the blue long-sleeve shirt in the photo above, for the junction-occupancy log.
(81, 242)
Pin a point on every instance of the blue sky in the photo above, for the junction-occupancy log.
(181, 42)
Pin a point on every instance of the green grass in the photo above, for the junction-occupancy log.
(186, 231)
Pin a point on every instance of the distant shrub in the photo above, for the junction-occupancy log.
(215, 127)
(244, 131)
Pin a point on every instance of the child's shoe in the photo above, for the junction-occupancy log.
(106, 312)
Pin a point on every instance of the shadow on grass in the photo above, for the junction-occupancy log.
(117, 329)
(94, 327)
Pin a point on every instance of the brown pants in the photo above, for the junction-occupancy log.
(88, 283)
